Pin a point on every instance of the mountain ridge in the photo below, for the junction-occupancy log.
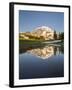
(43, 32)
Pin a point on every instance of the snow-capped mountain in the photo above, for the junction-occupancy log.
(44, 28)
(42, 32)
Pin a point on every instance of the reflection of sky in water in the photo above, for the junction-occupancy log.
(45, 62)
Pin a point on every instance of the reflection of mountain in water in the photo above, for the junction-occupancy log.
(44, 51)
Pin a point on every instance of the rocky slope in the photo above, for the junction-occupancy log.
(42, 32)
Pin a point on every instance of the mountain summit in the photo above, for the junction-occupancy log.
(44, 28)
(43, 32)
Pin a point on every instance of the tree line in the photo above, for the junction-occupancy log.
(59, 36)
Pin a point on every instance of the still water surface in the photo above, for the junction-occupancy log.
(41, 62)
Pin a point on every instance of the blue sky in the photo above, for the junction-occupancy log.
(29, 20)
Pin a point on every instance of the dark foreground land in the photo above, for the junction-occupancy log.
(30, 44)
